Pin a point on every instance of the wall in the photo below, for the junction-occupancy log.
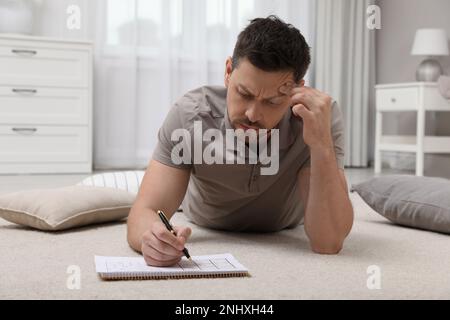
(394, 63)
(51, 18)
(400, 19)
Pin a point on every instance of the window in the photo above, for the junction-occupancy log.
(150, 25)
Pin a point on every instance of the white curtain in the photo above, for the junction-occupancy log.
(150, 52)
(344, 68)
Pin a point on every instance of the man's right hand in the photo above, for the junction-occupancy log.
(160, 247)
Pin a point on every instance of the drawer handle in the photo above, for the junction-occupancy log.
(25, 131)
(393, 100)
(27, 52)
(29, 91)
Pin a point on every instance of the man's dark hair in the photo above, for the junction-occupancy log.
(270, 44)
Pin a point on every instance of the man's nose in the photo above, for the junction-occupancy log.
(253, 113)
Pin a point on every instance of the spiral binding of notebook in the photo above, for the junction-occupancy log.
(135, 268)
(135, 276)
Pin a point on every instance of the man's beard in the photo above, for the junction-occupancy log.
(260, 135)
(255, 126)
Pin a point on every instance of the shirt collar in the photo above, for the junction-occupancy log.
(227, 118)
(289, 129)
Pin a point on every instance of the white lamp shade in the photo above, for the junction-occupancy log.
(430, 42)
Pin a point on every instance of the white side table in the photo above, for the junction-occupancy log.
(419, 97)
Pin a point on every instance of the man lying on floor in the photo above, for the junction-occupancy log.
(241, 186)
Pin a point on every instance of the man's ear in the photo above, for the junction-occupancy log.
(301, 83)
(228, 71)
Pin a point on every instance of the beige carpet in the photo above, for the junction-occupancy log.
(413, 264)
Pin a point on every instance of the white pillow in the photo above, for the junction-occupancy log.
(125, 180)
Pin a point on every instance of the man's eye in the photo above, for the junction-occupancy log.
(245, 96)
(274, 103)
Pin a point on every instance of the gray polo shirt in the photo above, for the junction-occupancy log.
(237, 197)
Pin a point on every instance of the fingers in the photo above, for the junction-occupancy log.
(184, 232)
(305, 89)
(301, 111)
(157, 263)
(161, 248)
(160, 232)
(157, 255)
(307, 96)
(303, 98)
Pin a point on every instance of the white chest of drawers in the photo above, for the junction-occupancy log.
(45, 105)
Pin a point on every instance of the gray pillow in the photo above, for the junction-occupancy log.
(418, 202)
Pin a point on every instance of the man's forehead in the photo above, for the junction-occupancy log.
(287, 87)
(254, 79)
(277, 89)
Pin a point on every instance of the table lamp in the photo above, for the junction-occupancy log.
(430, 43)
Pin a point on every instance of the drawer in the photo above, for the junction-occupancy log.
(23, 64)
(398, 99)
(37, 105)
(38, 144)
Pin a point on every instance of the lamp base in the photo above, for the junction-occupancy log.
(429, 71)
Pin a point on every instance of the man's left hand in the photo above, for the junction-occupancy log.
(314, 108)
